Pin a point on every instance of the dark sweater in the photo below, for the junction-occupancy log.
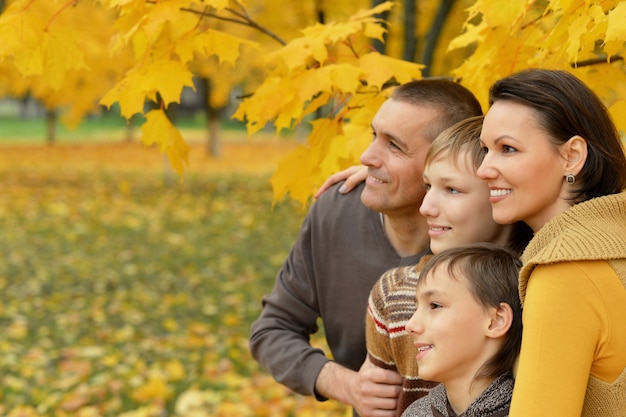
(340, 252)
(493, 402)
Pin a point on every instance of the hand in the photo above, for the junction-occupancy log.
(353, 175)
(373, 391)
(377, 391)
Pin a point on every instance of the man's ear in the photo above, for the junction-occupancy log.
(574, 152)
(500, 321)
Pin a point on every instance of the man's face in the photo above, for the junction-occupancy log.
(395, 158)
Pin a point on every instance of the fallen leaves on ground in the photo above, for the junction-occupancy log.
(128, 293)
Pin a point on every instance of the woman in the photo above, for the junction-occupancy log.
(554, 160)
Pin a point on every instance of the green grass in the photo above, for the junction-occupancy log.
(107, 126)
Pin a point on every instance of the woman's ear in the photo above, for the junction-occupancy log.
(501, 319)
(575, 153)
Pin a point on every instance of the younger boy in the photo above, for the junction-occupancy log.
(467, 330)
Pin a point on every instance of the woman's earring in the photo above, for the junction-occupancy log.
(570, 179)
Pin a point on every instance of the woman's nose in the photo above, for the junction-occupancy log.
(486, 169)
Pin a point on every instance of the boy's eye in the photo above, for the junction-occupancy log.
(452, 190)
(428, 187)
(434, 305)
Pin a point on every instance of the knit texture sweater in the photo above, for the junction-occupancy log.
(493, 402)
(573, 288)
(391, 304)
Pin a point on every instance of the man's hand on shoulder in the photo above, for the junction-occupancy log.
(353, 176)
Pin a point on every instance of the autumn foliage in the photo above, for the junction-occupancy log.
(148, 50)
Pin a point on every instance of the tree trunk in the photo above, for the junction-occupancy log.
(376, 44)
(213, 119)
(214, 146)
(433, 34)
(410, 30)
(51, 124)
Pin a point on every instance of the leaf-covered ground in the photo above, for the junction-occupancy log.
(128, 293)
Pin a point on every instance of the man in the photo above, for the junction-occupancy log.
(345, 243)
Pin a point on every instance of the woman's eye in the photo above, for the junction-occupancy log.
(508, 149)
(428, 187)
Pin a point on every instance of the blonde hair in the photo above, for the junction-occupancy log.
(463, 136)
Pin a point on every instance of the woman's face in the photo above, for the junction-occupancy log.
(456, 205)
(523, 169)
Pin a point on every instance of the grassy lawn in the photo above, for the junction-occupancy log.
(128, 292)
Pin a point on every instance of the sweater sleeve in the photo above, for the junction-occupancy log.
(563, 320)
(377, 336)
(280, 337)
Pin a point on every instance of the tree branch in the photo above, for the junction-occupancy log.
(242, 18)
(596, 61)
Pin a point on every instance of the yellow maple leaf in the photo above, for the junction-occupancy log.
(159, 130)
(345, 77)
(499, 13)
(298, 52)
(170, 76)
(379, 9)
(379, 69)
(226, 47)
(317, 102)
(311, 82)
(128, 93)
(473, 33)
(61, 53)
(288, 178)
(155, 388)
(175, 370)
(616, 29)
(19, 30)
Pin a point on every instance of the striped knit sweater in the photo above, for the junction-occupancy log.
(390, 306)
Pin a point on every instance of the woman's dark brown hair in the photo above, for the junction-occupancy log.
(566, 107)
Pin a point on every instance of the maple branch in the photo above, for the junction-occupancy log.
(58, 12)
(243, 19)
(253, 24)
(596, 61)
